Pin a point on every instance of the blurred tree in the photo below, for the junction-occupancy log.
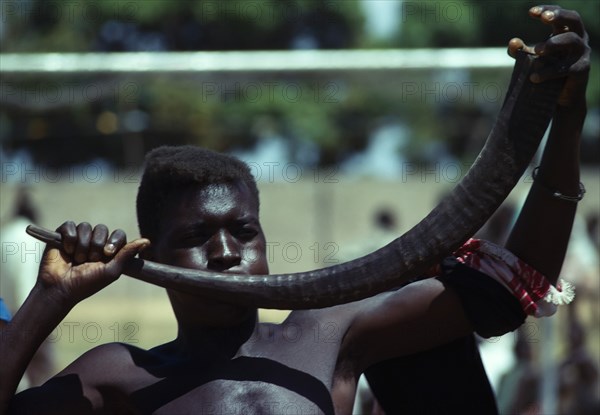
(336, 113)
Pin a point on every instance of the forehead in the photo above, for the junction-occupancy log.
(212, 201)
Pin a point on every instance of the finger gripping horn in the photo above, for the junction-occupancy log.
(515, 136)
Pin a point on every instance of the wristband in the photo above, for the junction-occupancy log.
(556, 193)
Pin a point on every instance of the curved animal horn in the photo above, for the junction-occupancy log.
(523, 119)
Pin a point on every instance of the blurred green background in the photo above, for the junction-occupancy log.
(136, 113)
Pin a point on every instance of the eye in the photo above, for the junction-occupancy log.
(194, 238)
(246, 232)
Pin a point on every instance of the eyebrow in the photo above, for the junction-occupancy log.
(247, 219)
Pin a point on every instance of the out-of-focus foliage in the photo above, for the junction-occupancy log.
(142, 25)
(337, 114)
(480, 22)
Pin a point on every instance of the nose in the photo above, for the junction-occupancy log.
(224, 252)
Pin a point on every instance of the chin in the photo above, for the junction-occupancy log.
(206, 312)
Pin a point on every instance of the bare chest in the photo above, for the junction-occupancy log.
(247, 397)
(288, 369)
(244, 385)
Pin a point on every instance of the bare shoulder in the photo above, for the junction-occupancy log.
(81, 387)
(108, 366)
(103, 360)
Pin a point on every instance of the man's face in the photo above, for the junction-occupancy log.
(212, 227)
(215, 228)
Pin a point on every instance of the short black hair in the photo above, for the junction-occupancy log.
(171, 168)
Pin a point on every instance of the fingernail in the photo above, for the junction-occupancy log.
(110, 248)
(548, 15)
(536, 9)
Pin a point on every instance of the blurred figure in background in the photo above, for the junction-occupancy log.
(383, 231)
(18, 276)
(593, 229)
(582, 265)
(578, 373)
(518, 390)
(4, 313)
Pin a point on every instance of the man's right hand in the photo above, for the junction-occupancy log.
(89, 260)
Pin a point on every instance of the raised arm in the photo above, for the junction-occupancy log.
(428, 313)
(541, 233)
(88, 261)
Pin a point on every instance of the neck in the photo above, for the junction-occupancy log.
(222, 341)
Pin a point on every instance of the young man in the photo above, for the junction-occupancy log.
(200, 210)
